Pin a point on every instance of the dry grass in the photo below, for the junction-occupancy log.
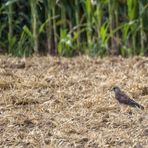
(67, 103)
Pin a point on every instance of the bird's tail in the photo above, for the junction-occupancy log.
(138, 105)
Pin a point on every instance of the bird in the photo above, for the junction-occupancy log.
(125, 99)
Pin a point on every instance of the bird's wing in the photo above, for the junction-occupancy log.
(125, 99)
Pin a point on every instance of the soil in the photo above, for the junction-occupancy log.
(52, 102)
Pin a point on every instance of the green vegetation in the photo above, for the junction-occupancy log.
(69, 28)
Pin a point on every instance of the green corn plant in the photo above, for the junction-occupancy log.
(141, 29)
(63, 14)
(65, 45)
(125, 38)
(104, 38)
(2, 39)
(48, 16)
(113, 20)
(51, 28)
(11, 39)
(10, 19)
(127, 33)
(88, 11)
(96, 21)
(12, 43)
(143, 9)
(132, 14)
(54, 26)
(98, 17)
(7, 8)
(111, 17)
(25, 43)
(34, 15)
(3, 25)
(69, 26)
(77, 13)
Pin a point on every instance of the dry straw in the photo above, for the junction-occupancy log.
(54, 102)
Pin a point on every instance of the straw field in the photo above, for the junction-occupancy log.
(51, 102)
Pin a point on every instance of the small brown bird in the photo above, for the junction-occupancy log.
(124, 99)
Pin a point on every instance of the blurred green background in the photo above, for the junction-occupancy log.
(74, 27)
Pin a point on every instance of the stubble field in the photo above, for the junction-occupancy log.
(50, 102)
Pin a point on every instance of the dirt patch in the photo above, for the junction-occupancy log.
(68, 103)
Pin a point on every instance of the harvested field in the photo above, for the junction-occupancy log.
(47, 102)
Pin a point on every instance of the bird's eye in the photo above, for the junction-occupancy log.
(113, 88)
